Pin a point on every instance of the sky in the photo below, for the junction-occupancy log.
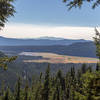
(37, 18)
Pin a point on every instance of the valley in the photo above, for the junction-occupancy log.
(56, 58)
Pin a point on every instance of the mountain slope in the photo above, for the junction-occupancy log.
(86, 49)
(39, 41)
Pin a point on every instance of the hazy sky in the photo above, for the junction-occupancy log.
(36, 18)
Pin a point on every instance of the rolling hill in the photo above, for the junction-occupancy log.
(38, 41)
(86, 49)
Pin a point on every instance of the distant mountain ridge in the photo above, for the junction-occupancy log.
(38, 41)
(86, 49)
(50, 38)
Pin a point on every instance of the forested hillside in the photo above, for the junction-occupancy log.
(42, 41)
(80, 85)
(86, 49)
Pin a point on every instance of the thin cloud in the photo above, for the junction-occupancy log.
(35, 31)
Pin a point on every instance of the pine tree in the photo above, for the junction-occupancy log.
(5, 60)
(38, 90)
(46, 88)
(2, 88)
(89, 69)
(18, 90)
(79, 74)
(84, 68)
(37, 94)
(6, 10)
(58, 92)
(61, 79)
(26, 92)
(68, 85)
(97, 42)
(54, 96)
(73, 73)
(98, 66)
(78, 3)
(6, 97)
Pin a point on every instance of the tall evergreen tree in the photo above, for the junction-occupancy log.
(73, 73)
(97, 42)
(46, 86)
(83, 68)
(61, 79)
(58, 93)
(89, 68)
(26, 91)
(2, 88)
(98, 66)
(38, 89)
(6, 97)
(18, 89)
